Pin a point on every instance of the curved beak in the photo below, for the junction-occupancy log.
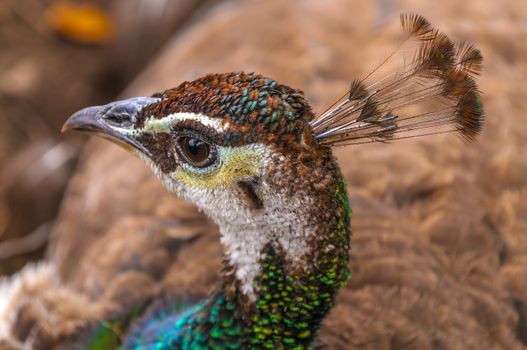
(115, 121)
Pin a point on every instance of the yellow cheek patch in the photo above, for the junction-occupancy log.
(235, 164)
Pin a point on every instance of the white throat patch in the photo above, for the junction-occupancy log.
(246, 234)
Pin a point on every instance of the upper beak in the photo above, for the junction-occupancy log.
(115, 121)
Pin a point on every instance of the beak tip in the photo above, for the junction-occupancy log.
(76, 121)
(84, 119)
(65, 127)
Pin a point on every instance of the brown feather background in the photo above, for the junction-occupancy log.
(439, 247)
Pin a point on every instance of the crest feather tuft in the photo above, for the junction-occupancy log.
(434, 92)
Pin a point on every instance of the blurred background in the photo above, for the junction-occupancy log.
(55, 58)
(439, 257)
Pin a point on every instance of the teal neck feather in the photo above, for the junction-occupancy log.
(288, 310)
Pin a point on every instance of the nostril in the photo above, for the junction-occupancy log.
(122, 120)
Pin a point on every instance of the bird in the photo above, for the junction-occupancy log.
(251, 154)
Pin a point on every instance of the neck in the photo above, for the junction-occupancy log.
(268, 297)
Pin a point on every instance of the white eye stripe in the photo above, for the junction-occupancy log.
(152, 124)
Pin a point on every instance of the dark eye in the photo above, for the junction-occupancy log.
(196, 152)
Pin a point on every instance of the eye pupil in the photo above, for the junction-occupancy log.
(195, 151)
(195, 146)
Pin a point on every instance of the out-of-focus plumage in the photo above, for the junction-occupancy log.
(432, 266)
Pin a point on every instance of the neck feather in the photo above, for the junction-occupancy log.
(291, 297)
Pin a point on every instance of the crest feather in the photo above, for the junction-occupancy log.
(433, 92)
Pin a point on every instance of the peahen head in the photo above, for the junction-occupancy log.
(222, 135)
